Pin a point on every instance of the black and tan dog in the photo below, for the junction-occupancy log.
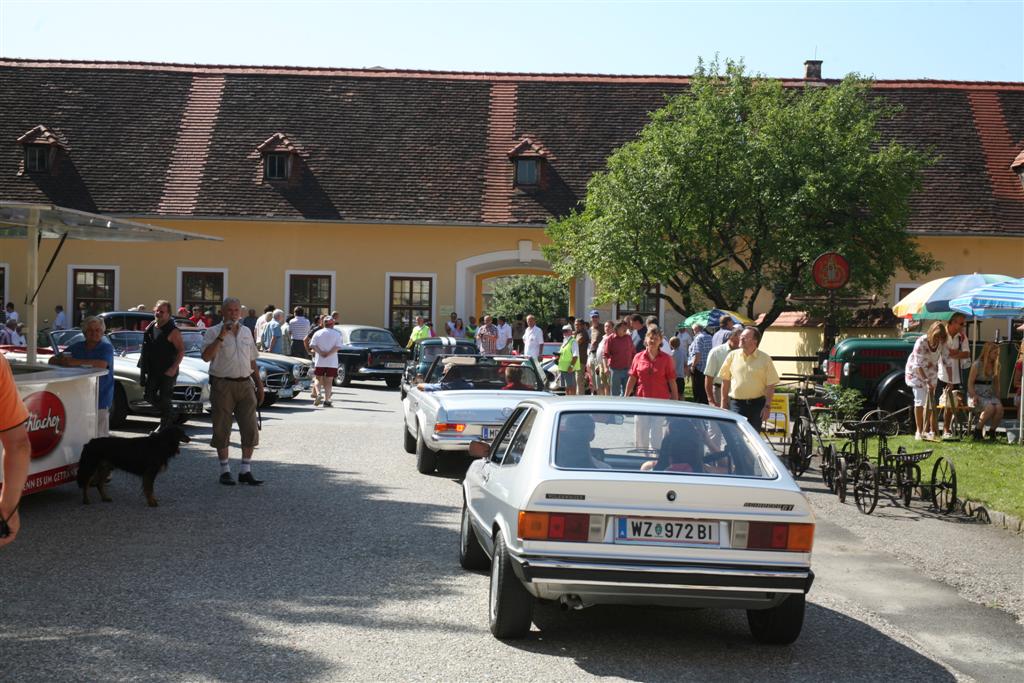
(145, 456)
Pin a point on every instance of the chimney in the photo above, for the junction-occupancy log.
(812, 70)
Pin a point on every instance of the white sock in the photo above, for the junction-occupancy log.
(246, 466)
(225, 466)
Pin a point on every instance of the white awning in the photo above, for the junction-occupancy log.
(55, 222)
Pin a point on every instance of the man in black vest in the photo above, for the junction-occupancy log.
(162, 351)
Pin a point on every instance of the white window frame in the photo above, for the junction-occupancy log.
(287, 287)
(433, 295)
(179, 280)
(897, 286)
(6, 294)
(72, 267)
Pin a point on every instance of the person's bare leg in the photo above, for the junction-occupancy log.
(919, 419)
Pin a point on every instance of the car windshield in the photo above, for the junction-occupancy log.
(125, 342)
(432, 351)
(64, 338)
(368, 335)
(661, 444)
(485, 373)
(193, 341)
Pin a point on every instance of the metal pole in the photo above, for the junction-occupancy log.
(33, 281)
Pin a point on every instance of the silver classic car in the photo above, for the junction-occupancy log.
(594, 500)
(464, 398)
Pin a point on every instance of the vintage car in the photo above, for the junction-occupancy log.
(191, 392)
(463, 398)
(425, 351)
(597, 500)
(874, 367)
(369, 353)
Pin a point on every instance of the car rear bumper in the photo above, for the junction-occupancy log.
(379, 373)
(655, 583)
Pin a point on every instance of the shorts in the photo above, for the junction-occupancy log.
(920, 396)
(567, 379)
(325, 371)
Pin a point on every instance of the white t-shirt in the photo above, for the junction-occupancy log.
(949, 368)
(533, 337)
(504, 335)
(326, 342)
(12, 315)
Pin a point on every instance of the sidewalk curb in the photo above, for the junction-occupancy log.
(1002, 520)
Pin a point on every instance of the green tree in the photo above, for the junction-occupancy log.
(734, 188)
(547, 298)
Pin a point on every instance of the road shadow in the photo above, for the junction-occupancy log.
(655, 644)
(208, 585)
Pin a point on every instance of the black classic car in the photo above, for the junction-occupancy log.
(369, 353)
(424, 351)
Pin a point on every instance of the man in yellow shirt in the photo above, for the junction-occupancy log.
(748, 379)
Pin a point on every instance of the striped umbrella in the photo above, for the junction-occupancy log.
(998, 300)
(711, 318)
(931, 300)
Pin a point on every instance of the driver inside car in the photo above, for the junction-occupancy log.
(575, 432)
(682, 449)
(451, 379)
(514, 379)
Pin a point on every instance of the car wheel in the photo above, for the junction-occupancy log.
(471, 554)
(344, 377)
(119, 409)
(510, 606)
(426, 457)
(409, 441)
(393, 382)
(779, 625)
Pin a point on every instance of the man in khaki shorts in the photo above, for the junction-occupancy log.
(232, 358)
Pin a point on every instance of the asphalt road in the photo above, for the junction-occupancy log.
(344, 567)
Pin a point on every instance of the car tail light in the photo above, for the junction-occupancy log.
(369, 360)
(449, 427)
(553, 526)
(773, 536)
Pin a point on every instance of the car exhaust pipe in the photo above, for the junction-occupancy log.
(568, 602)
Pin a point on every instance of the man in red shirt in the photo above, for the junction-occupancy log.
(619, 352)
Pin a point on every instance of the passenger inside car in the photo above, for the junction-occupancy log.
(452, 379)
(682, 449)
(575, 432)
(514, 379)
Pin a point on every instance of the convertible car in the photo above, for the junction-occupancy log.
(595, 500)
(424, 351)
(464, 398)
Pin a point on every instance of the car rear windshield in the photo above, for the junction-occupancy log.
(661, 444)
(370, 336)
(484, 373)
(432, 351)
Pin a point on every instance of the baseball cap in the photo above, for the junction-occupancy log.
(595, 314)
(327, 319)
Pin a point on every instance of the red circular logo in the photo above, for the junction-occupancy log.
(831, 271)
(46, 422)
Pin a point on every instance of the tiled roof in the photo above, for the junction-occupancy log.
(379, 145)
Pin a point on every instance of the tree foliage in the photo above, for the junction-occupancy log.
(547, 298)
(734, 188)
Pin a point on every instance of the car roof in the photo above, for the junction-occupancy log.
(446, 341)
(349, 327)
(631, 405)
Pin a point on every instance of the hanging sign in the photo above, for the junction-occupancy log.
(831, 271)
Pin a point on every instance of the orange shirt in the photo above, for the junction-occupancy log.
(12, 410)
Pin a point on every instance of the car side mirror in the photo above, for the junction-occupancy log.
(479, 449)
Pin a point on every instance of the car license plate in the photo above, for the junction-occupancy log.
(394, 365)
(488, 433)
(653, 530)
(286, 392)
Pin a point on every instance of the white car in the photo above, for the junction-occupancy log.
(464, 398)
(595, 500)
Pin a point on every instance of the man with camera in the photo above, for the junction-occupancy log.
(233, 373)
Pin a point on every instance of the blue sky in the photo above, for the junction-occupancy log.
(886, 39)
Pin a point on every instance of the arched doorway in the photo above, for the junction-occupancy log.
(485, 281)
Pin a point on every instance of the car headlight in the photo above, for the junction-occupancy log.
(263, 375)
(847, 369)
(296, 371)
(205, 395)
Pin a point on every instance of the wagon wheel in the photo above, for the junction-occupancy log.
(806, 438)
(944, 485)
(865, 488)
(839, 481)
(795, 456)
(905, 482)
(828, 461)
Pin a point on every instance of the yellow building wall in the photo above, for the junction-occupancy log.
(257, 255)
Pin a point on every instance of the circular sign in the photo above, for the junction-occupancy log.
(831, 270)
(46, 422)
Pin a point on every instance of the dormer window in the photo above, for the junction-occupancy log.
(37, 158)
(529, 159)
(527, 173)
(275, 166)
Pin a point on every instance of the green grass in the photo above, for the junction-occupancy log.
(990, 473)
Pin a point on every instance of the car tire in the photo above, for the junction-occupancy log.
(344, 377)
(409, 441)
(426, 457)
(778, 625)
(509, 604)
(471, 553)
(119, 409)
(393, 382)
